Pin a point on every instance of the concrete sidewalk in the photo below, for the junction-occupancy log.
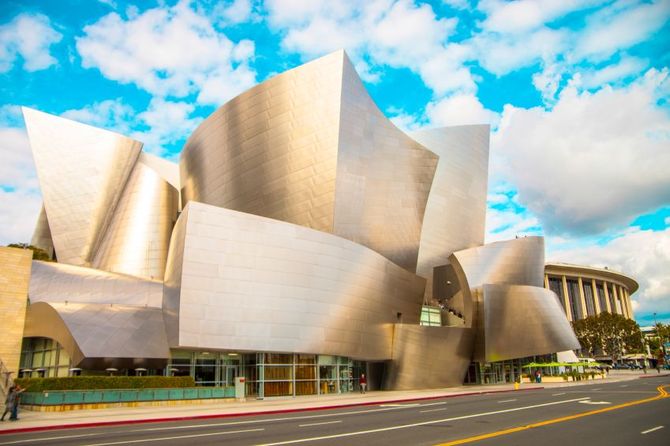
(32, 421)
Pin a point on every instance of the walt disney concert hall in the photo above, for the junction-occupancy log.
(301, 240)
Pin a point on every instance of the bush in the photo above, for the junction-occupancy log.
(104, 382)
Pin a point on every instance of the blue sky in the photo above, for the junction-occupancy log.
(576, 92)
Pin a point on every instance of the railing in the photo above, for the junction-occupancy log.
(65, 397)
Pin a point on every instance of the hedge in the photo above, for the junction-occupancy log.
(104, 382)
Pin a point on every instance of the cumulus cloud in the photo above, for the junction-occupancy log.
(593, 161)
(20, 199)
(461, 109)
(394, 33)
(642, 254)
(163, 122)
(28, 37)
(171, 51)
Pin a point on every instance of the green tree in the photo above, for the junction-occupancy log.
(610, 334)
(38, 253)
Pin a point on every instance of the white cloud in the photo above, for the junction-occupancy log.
(643, 255)
(626, 67)
(162, 123)
(595, 160)
(168, 51)
(620, 26)
(233, 12)
(395, 33)
(507, 224)
(19, 196)
(30, 38)
(459, 109)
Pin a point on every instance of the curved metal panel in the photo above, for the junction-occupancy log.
(257, 284)
(137, 240)
(97, 335)
(272, 150)
(522, 321)
(383, 178)
(82, 171)
(310, 147)
(429, 357)
(42, 234)
(57, 282)
(456, 209)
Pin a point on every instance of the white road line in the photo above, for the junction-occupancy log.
(319, 424)
(64, 437)
(148, 440)
(506, 401)
(265, 420)
(625, 385)
(405, 426)
(557, 394)
(400, 405)
(595, 389)
(651, 430)
(432, 410)
(440, 403)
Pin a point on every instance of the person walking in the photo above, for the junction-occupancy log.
(18, 390)
(10, 401)
(364, 383)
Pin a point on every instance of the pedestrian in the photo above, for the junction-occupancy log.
(364, 383)
(10, 401)
(17, 400)
(538, 376)
(644, 368)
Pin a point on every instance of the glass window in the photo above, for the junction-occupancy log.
(575, 300)
(556, 285)
(588, 297)
(431, 316)
(601, 296)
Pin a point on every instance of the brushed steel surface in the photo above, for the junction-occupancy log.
(522, 321)
(99, 336)
(456, 209)
(138, 237)
(58, 282)
(82, 171)
(310, 147)
(246, 282)
(429, 357)
(42, 234)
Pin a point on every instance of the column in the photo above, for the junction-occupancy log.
(616, 299)
(566, 299)
(630, 304)
(582, 299)
(607, 297)
(596, 297)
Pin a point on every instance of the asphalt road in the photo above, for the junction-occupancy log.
(599, 414)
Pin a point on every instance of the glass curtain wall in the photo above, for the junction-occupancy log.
(575, 299)
(589, 298)
(43, 357)
(556, 285)
(601, 297)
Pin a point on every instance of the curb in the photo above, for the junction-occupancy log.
(246, 414)
(658, 375)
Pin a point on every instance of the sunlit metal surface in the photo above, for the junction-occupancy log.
(513, 262)
(98, 336)
(257, 284)
(138, 237)
(456, 208)
(310, 147)
(58, 282)
(42, 234)
(429, 357)
(522, 321)
(82, 171)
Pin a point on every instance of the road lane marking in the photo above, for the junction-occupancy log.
(64, 437)
(506, 401)
(661, 394)
(595, 402)
(424, 423)
(557, 394)
(319, 424)
(432, 410)
(625, 385)
(400, 405)
(439, 403)
(265, 420)
(651, 430)
(595, 390)
(179, 437)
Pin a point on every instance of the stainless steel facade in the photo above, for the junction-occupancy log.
(310, 225)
